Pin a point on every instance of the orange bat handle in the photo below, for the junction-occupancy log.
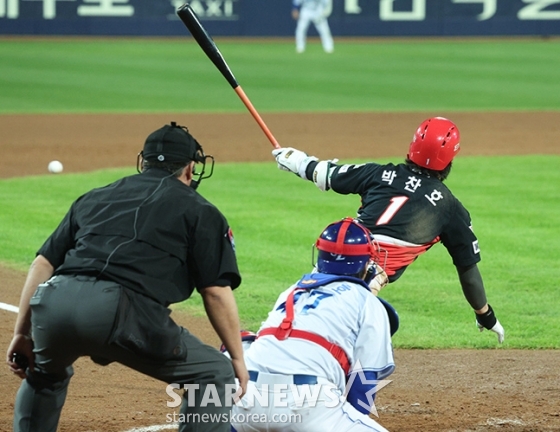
(256, 116)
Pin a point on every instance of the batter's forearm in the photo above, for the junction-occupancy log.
(306, 167)
(473, 287)
(309, 170)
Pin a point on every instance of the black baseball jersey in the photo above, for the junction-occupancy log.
(148, 232)
(408, 212)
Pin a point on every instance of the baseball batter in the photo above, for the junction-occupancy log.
(325, 331)
(316, 12)
(101, 284)
(408, 208)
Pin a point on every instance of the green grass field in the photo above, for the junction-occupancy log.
(514, 201)
(150, 75)
(274, 236)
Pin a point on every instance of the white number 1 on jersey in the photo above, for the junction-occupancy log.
(391, 210)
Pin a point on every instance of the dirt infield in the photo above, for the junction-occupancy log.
(441, 390)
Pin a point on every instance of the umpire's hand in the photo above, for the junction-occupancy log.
(20, 355)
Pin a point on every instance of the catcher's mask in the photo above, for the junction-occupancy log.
(173, 144)
(435, 144)
(345, 248)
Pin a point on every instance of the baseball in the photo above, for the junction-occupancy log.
(55, 167)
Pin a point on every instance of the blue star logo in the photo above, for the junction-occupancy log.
(370, 394)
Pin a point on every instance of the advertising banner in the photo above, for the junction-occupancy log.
(272, 17)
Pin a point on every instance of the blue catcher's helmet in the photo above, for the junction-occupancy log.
(345, 248)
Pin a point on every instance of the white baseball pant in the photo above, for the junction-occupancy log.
(275, 404)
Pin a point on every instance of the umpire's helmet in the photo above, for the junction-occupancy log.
(435, 144)
(172, 143)
(345, 248)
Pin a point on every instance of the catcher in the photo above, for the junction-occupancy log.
(328, 336)
(408, 208)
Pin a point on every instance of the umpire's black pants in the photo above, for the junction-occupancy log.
(73, 316)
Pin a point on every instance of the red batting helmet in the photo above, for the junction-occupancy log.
(435, 143)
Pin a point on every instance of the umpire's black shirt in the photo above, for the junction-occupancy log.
(148, 232)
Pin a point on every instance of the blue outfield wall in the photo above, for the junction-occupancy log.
(272, 17)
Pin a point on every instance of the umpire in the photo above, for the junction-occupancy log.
(122, 254)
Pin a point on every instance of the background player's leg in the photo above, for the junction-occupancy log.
(324, 31)
(301, 30)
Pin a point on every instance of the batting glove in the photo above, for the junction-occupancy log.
(489, 321)
(292, 160)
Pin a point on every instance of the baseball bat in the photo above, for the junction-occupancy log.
(199, 33)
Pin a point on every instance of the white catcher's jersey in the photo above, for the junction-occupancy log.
(343, 312)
